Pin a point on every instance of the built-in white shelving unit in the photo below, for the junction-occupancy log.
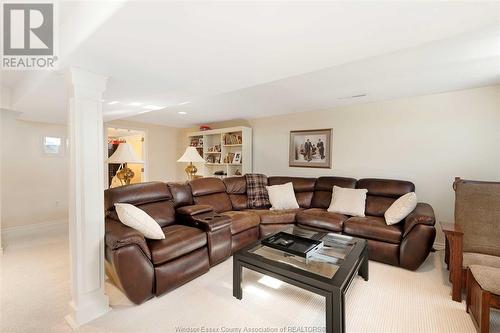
(225, 150)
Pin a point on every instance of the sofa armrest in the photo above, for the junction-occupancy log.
(118, 235)
(451, 228)
(422, 214)
(194, 210)
(454, 257)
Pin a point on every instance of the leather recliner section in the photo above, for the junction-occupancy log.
(373, 227)
(207, 219)
(320, 218)
(236, 188)
(211, 191)
(143, 268)
(179, 240)
(242, 220)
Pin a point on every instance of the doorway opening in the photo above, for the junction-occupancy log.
(136, 139)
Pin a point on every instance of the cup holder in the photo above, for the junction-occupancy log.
(217, 215)
(208, 218)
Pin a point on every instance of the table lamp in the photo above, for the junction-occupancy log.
(124, 154)
(191, 155)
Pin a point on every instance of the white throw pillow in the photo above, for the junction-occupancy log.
(401, 208)
(138, 219)
(348, 201)
(282, 196)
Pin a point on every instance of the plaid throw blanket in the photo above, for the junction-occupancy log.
(256, 191)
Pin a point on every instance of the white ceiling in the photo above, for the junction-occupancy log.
(249, 59)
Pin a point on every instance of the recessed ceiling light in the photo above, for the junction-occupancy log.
(114, 102)
(152, 107)
(135, 104)
(184, 103)
(182, 112)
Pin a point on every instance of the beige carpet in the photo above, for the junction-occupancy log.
(35, 292)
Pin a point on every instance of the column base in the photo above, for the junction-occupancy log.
(94, 306)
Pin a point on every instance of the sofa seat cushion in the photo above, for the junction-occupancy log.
(470, 258)
(487, 277)
(179, 240)
(277, 216)
(242, 221)
(320, 218)
(373, 227)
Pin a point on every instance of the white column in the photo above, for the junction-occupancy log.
(86, 200)
(5, 104)
(1, 159)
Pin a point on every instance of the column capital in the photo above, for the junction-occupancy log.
(85, 79)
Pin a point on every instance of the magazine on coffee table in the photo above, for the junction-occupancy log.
(293, 244)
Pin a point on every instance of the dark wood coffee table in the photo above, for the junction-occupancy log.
(328, 272)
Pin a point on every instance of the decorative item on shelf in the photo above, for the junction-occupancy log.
(205, 128)
(232, 139)
(229, 158)
(191, 155)
(237, 158)
(237, 172)
(124, 154)
(210, 158)
(310, 148)
(197, 142)
(220, 173)
(214, 149)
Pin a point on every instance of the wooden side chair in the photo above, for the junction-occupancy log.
(474, 238)
(483, 293)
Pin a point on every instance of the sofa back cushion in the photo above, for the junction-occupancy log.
(382, 193)
(236, 188)
(181, 193)
(323, 188)
(210, 191)
(153, 197)
(303, 188)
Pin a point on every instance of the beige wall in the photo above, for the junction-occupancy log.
(428, 140)
(162, 145)
(34, 186)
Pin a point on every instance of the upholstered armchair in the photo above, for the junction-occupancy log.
(474, 238)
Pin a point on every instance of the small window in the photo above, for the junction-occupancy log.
(52, 145)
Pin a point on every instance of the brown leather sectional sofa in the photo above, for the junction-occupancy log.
(207, 219)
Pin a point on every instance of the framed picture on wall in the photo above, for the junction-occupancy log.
(311, 148)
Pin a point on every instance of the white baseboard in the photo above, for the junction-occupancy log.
(29, 229)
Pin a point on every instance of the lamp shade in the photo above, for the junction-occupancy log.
(191, 155)
(124, 154)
